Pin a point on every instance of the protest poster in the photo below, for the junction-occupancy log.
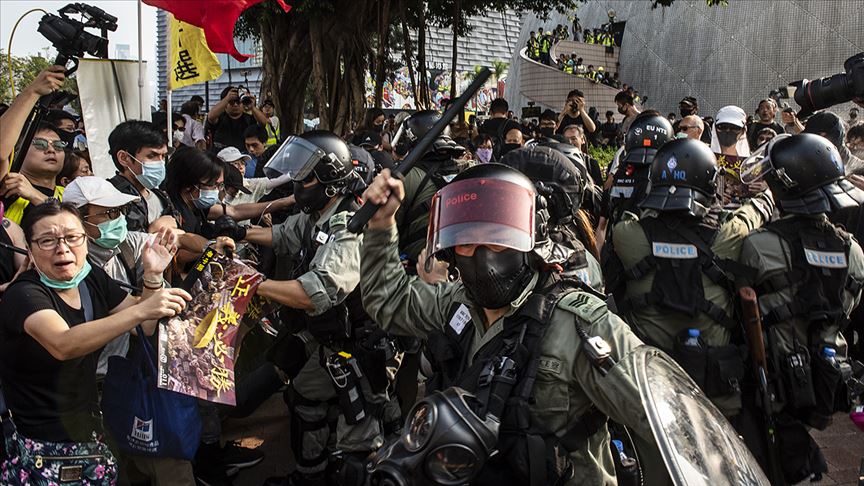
(197, 348)
(729, 186)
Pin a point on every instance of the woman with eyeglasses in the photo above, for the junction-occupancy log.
(57, 316)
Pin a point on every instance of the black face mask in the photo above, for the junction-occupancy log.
(310, 199)
(727, 139)
(377, 128)
(68, 137)
(547, 131)
(685, 112)
(494, 279)
(508, 147)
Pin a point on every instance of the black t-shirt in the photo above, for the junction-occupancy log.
(228, 132)
(569, 120)
(51, 400)
(7, 257)
(609, 130)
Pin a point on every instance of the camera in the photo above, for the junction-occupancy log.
(245, 98)
(821, 93)
(69, 36)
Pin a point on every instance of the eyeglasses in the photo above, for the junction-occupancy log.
(684, 128)
(113, 213)
(41, 144)
(51, 242)
(234, 102)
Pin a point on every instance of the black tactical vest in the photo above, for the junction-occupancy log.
(820, 271)
(680, 255)
(528, 453)
(629, 186)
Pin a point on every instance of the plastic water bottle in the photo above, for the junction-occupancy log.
(830, 355)
(692, 338)
(626, 461)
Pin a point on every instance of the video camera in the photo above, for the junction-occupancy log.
(69, 36)
(822, 93)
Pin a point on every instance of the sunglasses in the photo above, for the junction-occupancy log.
(113, 213)
(41, 144)
(684, 128)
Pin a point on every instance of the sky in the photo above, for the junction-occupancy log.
(29, 41)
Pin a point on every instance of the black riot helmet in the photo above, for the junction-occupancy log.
(414, 128)
(805, 174)
(648, 132)
(683, 178)
(320, 155)
(555, 176)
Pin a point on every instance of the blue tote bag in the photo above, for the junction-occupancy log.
(144, 419)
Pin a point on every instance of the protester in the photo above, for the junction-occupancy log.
(11, 262)
(228, 121)
(764, 136)
(193, 132)
(138, 149)
(767, 111)
(58, 317)
(483, 148)
(36, 182)
(830, 126)
(374, 122)
(513, 139)
(791, 124)
(626, 107)
(73, 166)
(255, 140)
(855, 140)
(575, 112)
(273, 128)
(240, 189)
(608, 131)
(691, 126)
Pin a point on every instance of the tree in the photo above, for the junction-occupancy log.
(24, 71)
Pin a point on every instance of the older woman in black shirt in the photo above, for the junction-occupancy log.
(56, 318)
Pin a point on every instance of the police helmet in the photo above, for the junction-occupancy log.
(556, 177)
(319, 153)
(805, 174)
(648, 132)
(414, 128)
(683, 177)
(489, 204)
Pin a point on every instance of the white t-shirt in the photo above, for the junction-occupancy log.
(154, 207)
(194, 131)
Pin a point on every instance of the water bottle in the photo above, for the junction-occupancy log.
(692, 339)
(625, 461)
(830, 355)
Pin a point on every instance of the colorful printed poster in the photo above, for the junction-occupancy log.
(197, 348)
(732, 191)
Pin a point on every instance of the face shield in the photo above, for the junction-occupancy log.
(443, 442)
(296, 157)
(758, 164)
(481, 211)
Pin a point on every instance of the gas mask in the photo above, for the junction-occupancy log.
(494, 279)
(444, 442)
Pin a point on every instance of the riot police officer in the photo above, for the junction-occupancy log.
(541, 354)
(679, 257)
(563, 186)
(809, 275)
(324, 358)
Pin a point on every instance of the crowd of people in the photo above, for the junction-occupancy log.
(506, 295)
(540, 43)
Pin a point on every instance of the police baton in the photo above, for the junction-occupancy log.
(365, 213)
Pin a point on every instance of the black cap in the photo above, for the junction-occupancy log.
(233, 178)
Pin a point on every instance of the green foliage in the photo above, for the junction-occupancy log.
(24, 71)
(603, 155)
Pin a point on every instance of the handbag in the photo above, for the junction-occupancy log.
(144, 419)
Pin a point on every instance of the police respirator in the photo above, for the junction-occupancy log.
(829, 91)
(444, 442)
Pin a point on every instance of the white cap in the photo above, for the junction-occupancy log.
(231, 154)
(95, 190)
(731, 114)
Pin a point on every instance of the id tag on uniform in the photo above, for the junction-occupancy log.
(674, 250)
(460, 319)
(825, 259)
(321, 237)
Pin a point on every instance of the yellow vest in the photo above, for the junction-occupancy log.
(15, 212)
(272, 135)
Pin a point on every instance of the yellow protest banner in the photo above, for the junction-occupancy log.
(192, 61)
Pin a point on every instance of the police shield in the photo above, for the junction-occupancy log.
(699, 446)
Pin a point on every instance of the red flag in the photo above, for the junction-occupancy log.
(216, 17)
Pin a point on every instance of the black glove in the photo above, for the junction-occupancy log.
(226, 226)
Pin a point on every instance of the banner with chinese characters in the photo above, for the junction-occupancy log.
(192, 62)
(197, 348)
(732, 191)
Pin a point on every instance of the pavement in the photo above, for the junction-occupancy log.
(267, 429)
